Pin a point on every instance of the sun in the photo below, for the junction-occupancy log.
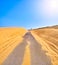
(50, 7)
(53, 4)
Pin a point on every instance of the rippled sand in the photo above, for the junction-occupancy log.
(49, 40)
(34, 47)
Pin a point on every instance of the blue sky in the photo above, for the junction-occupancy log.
(28, 13)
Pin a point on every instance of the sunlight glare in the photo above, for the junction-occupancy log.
(49, 7)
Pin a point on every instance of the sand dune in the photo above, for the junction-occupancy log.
(35, 47)
(49, 40)
(9, 39)
(36, 56)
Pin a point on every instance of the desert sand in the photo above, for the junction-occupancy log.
(34, 47)
(48, 36)
(9, 39)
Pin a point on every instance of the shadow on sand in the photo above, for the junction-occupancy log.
(16, 57)
(38, 55)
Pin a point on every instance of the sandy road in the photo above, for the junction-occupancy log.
(37, 55)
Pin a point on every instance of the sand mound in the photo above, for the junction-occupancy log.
(49, 39)
(36, 47)
(9, 39)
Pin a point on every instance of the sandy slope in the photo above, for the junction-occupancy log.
(49, 41)
(36, 56)
(37, 47)
(9, 39)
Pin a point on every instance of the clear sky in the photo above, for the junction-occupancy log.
(28, 13)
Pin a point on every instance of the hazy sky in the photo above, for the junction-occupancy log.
(28, 13)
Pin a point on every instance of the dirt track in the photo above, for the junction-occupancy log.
(37, 55)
